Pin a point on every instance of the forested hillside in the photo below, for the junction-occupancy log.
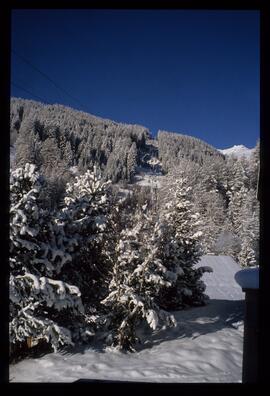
(55, 136)
(174, 147)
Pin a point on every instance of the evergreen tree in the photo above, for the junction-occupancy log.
(84, 217)
(249, 230)
(247, 256)
(243, 209)
(136, 280)
(254, 166)
(132, 161)
(42, 307)
(208, 198)
(27, 149)
(227, 243)
(212, 219)
(182, 250)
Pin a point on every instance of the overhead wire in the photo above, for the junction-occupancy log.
(47, 77)
(26, 90)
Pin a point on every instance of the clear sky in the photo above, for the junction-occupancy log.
(187, 71)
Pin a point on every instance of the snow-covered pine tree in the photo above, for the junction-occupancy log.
(182, 249)
(212, 217)
(239, 174)
(254, 165)
(238, 187)
(247, 256)
(227, 243)
(41, 306)
(249, 213)
(208, 195)
(136, 280)
(27, 146)
(84, 217)
(249, 230)
(243, 212)
(131, 162)
(237, 201)
(208, 200)
(237, 190)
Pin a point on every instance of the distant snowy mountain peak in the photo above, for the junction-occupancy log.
(237, 151)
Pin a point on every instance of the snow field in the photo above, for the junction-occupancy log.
(205, 346)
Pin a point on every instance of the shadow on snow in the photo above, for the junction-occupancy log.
(197, 321)
(191, 323)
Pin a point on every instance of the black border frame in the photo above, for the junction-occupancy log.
(264, 191)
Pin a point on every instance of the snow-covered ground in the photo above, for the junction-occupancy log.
(148, 177)
(220, 284)
(149, 180)
(206, 345)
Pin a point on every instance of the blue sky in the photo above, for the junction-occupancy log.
(186, 71)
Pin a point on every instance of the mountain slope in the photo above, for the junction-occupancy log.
(58, 135)
(57, 138)
(174, 147)
(66, 137)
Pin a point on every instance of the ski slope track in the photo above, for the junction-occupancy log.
(205, 346)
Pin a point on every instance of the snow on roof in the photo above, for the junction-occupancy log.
(248, 278)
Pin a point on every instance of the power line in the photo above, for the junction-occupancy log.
(26, 90)
(46, 76)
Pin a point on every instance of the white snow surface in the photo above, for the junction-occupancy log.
(206, 345)
(220, 284)
(148, 178)
(237, 151)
